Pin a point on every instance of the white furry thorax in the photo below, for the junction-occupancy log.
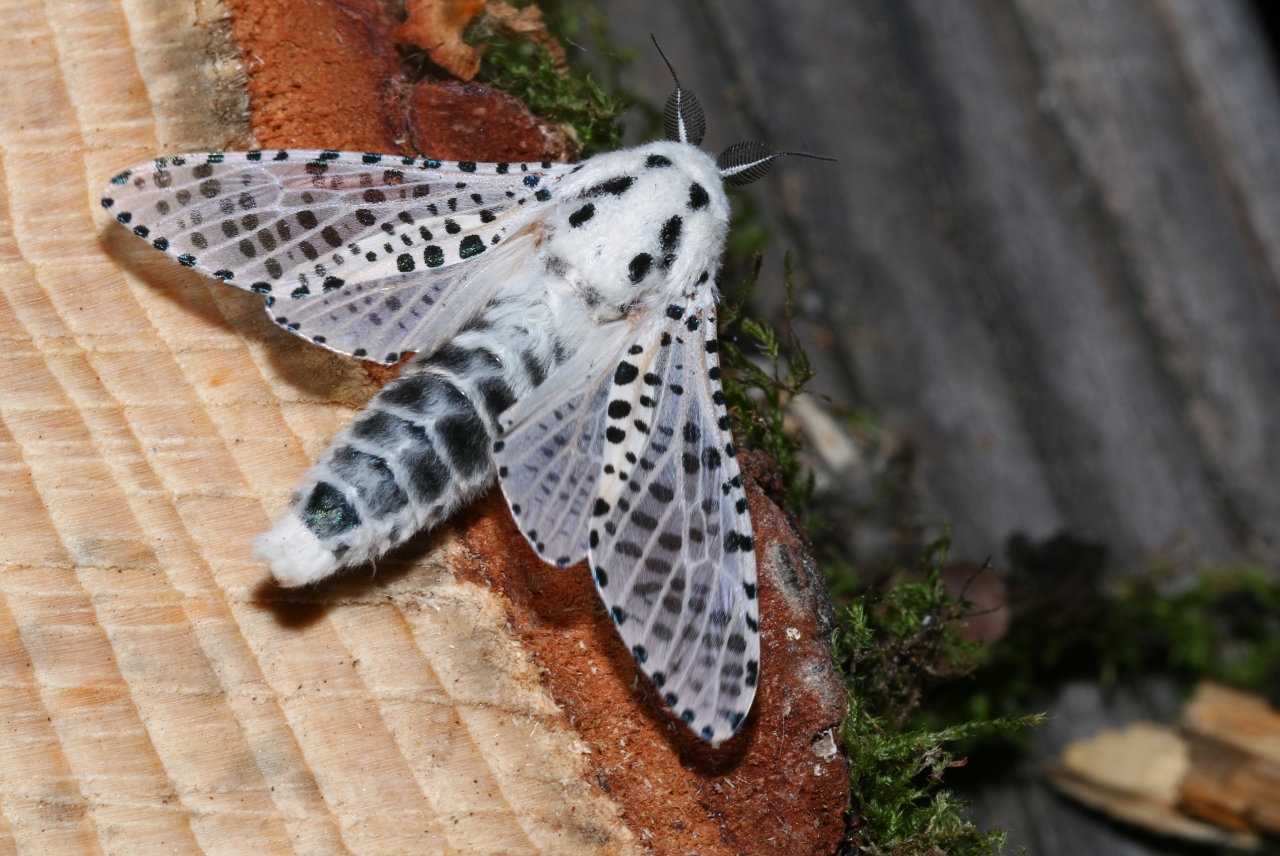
(666, 183)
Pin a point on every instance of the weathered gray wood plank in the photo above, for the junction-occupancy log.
(1117, 92)
(1104, 422)
(1234, 98)
(1032, 255)
(1048, 257)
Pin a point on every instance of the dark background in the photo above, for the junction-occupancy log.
(1269, 16)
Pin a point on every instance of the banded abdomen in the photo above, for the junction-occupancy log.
(422, 447)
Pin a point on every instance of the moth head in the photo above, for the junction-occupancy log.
(684, 122)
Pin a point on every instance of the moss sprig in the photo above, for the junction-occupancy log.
(524, 67)
(892, 645)
(526, 70)
(763, 370)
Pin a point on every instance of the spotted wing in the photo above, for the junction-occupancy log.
(552, 443)
(382, 318)
(670, 538)
(352, 250)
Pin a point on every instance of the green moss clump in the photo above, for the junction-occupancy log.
(1220, 623)
(892, 645)
(1224, 626)
(526, 70)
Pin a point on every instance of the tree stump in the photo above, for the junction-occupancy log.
(158, 695)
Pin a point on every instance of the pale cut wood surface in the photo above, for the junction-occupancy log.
(150, 699)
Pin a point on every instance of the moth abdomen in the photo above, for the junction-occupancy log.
(421, 448)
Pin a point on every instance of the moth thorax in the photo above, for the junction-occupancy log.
(650, 223)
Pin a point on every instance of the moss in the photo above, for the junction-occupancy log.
(892, 646)
(1220, 623)
(525, 69)
(762, 371)
(1225, 626)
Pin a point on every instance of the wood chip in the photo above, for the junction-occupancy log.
(1235, 750)
(1217, 781)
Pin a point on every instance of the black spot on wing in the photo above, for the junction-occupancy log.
(625, 373)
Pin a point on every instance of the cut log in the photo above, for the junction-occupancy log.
(158, 695)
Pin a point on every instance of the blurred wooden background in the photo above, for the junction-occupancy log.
(1048, 260)
(1047, 256)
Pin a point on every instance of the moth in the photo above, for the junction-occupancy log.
(563, 323)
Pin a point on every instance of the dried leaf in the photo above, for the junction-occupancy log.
(436, 26)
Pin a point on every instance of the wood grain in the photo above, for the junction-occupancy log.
(154, 698)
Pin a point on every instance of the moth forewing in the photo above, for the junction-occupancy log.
(549, 450)
(361, 253)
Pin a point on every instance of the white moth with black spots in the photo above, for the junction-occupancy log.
(563, 320)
